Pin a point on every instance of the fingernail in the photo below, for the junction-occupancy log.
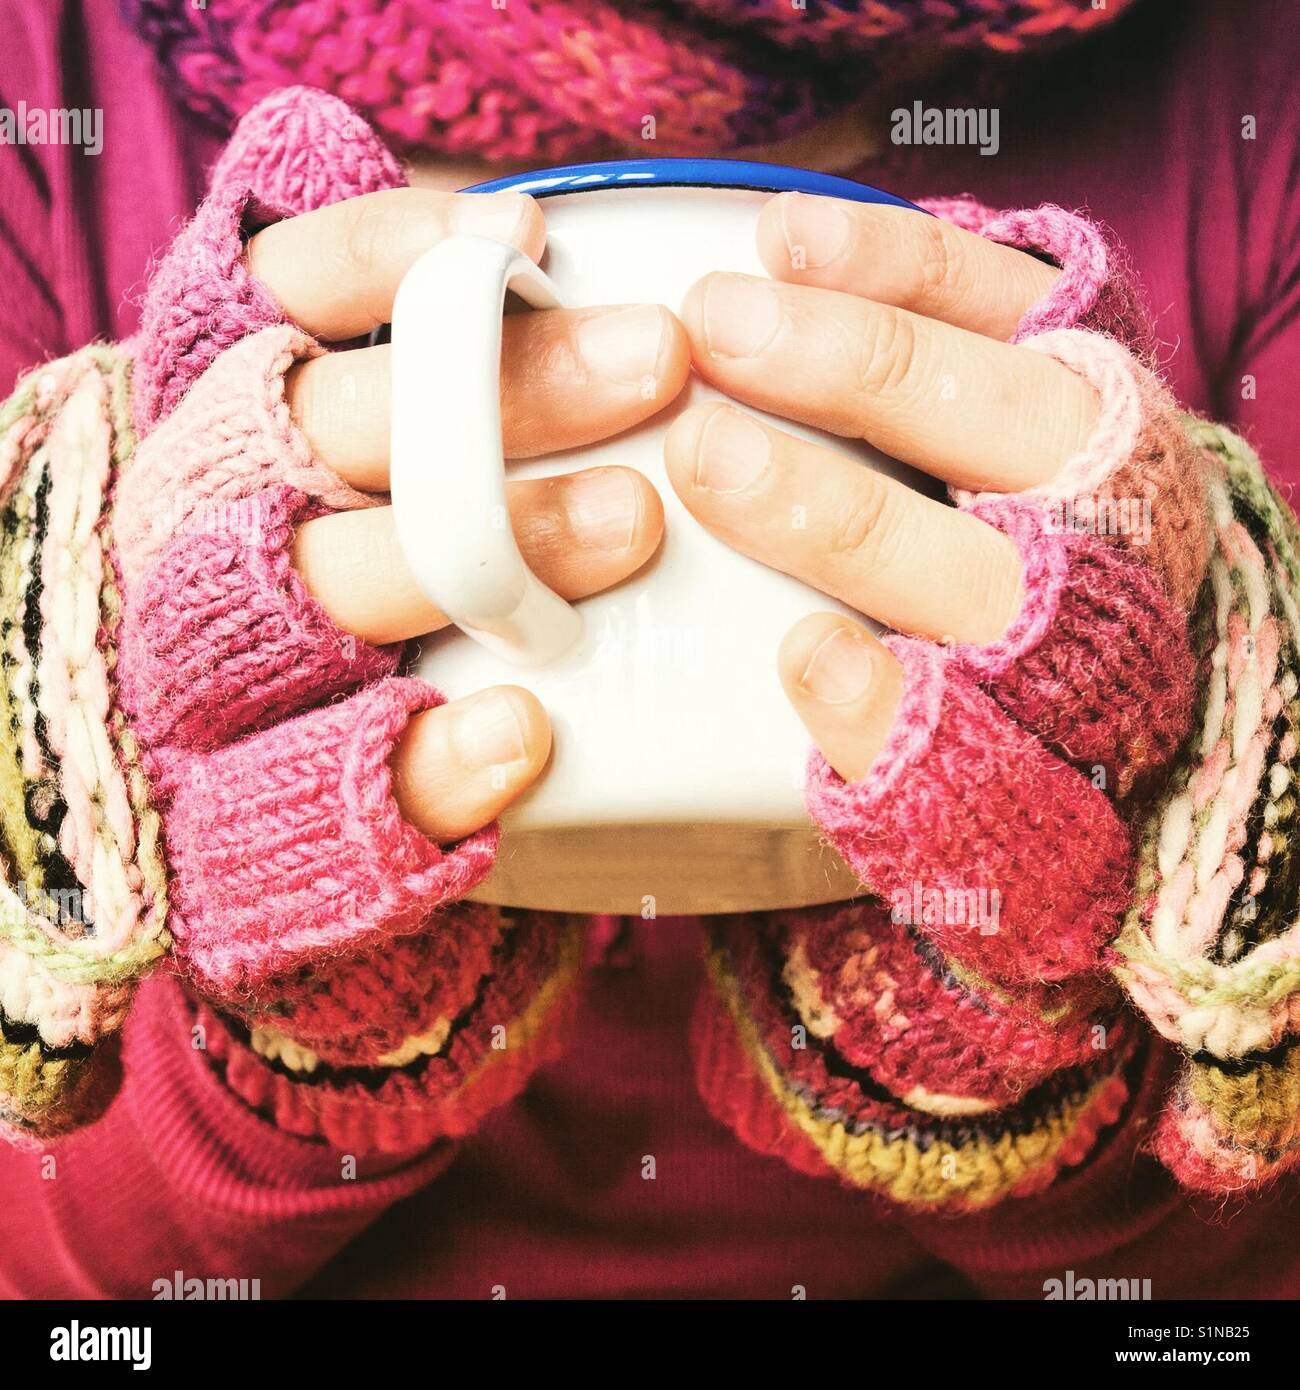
(603, 506)
(623, 345)
(488, 731)
(496, 215)
(741, 316)
(816, 230)
(733, 452)
(840, 668)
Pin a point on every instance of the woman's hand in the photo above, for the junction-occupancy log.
(981, 768)
(885, 325)
(324, 815)
(569, 377)
(1030, 646)
(266, 600)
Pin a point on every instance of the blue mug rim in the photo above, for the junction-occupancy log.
(565, 179)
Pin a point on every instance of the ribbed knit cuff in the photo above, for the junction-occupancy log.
(963, 801)
(288, 847)
(793, 1095)
(866, 982)
(383, 1006)
(1091, 1209)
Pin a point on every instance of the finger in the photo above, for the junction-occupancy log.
(910, 562)
(459, 766)
(845, 685)
(901, 257)
(335, 271)
(978, 413)
(578, 532)
(568, 378)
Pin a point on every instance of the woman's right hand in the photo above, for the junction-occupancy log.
(316, 809)
(219, 746)
(569, 377)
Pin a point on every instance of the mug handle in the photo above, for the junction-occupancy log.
(447, 466)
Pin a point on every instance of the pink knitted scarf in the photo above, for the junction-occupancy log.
(550, 79)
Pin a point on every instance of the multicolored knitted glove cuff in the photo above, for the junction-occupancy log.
(868, 981)
(458, 1043)
(769, 1066)
(84, 889)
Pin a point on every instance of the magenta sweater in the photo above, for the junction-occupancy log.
(180, 1175)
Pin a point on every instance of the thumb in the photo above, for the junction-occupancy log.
(846, 687)
(458, 766)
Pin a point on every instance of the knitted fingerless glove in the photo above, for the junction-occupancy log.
(1105, 786)
(342, 988)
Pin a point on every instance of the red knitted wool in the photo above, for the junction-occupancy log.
(891, 1005)
(401, 1109)
(914, 821)
(741, 1097)
(1098, 664)
(838, 1084)
(361, 1007)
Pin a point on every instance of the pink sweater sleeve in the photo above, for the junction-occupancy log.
(78, 230)
(180, 1175)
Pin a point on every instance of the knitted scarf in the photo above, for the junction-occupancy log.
(542, 80)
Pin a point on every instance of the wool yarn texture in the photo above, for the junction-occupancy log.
(1074, 847)
(196, 747)
(544, 80)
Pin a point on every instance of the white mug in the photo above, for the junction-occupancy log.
(675, 783)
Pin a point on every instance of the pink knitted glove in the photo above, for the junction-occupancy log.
(213, 750)
(958, 1039)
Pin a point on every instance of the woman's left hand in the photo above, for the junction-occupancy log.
(887, 325)
(980, 768)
